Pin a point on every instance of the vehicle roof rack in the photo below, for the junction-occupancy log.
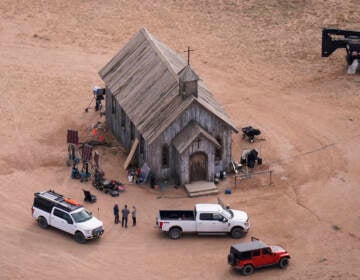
(59, 200)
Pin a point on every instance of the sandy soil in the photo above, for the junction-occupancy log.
(262, 61)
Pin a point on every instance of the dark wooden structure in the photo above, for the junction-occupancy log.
(153, 94)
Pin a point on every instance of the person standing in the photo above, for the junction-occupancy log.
(125, 213)
(133, 215)
(116, 213)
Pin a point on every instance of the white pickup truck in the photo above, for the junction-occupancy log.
(204, 219)
(52, 209)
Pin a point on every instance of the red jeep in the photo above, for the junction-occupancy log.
(248, 256)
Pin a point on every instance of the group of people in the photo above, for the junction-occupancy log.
(135, 175)
(125, 214)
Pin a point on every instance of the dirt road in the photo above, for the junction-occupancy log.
(261, 59)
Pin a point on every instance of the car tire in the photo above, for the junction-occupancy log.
(79, 237)
(284, 262)
(42, 222)
(175, 233)
(237, 232)
(248, 269)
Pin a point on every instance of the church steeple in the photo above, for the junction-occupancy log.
(188, 82)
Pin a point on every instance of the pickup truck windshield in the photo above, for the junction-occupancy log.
(81, 216)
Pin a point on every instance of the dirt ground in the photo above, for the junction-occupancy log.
(262, 61)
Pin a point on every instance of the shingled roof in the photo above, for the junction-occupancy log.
(143, 76)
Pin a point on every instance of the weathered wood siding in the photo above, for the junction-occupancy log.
(209, 122)
(178, 164)
(123, 133)
(204, 146)
(188, 88)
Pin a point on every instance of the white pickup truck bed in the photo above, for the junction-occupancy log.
(205, 219)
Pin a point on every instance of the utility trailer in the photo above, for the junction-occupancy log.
(333, 39)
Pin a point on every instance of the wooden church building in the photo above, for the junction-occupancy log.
(152, 94)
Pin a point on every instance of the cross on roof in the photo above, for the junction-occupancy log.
(188, 51)
(198, 140)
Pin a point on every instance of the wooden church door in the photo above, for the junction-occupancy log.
(198, 167)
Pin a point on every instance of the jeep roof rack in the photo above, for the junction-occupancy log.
(59, 200)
